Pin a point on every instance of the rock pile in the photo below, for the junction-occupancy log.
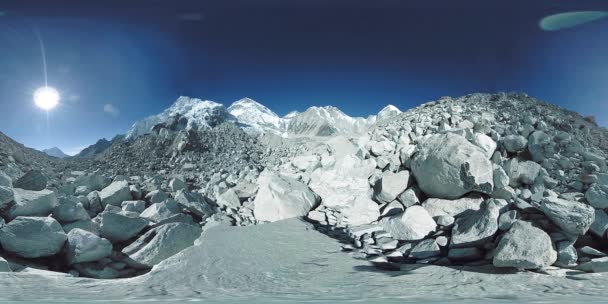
(500, 179)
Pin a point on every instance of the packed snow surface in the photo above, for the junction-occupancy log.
(290, 262)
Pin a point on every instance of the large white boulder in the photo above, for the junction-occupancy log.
(525, 246)
(32, 203)
(449, 166)
(360, 211)
(413, 224)
(69, 210)
(32, 237)
(83, 246)
(161, 211)
(195, 203)
(116, 193)
(572, 217)
(162, 242)
(280, 197)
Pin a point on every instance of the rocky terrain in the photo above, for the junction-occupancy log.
(500, 181)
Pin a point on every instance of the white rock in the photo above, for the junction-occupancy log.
(572, 217)
(477, 227)
(32, 203)
(525, 246)
(229, 199)
(390, 186)
(521, 172)
(116, 193)
(360, 211)
(162, 242)
(514, 143)
(32, 237)
(161, 211)
(84, 246)
(176, 184)
(70, 210)
(121, 226)
(448, 166)
(437, 207)
(413, 224)
(156, 196)
(280, 197)
(195, 203)
(425, 249)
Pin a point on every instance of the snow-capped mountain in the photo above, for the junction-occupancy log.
(56, 152)
(256, 117)
(388, 112)
(194, 112)
(327, 121)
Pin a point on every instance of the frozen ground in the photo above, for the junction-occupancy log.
(289, 261)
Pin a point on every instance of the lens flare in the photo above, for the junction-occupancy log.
(46, 98)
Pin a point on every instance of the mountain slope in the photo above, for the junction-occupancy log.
(55, 152)
(327, 121)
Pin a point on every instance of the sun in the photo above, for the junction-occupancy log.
(46, 98)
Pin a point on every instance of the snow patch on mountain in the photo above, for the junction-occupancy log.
(388, 112)
(255, 116)
(55, 152)
(328, 121)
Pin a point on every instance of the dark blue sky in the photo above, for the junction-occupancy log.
(139, 56)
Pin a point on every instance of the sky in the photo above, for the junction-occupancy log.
(116, 62)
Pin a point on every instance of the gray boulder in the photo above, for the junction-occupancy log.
(32, 180)
(121, 226)
(438, 207)
(280, 197)
(514, 143)
(94, 182)
(600, 224)
(32, 237)
(32, 203)
(162, 242)
(5, 180)
(449, 166)
(390, 186)
(87, 225)
(156, 196)
(425, 249)
(161, 211)
(566, 254)
(114, 194)
(6, 196)
(177, 183)
(195, 203)
(572, 217)
(69, 210)
(413, 224)
(477, 227)
(83, 246)
(133, 206)
(229, 199)
(521, 172)
(597, 196)
(525, 247)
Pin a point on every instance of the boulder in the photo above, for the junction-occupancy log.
(507, 219)
(4, 265)
(6, 197)
(87, 225)
(514, 143)
(600, 224)
(229, 199)
(425, 249)
(162, 242)
(409, 197)
(32, 180)
(525, 247)
(360, 211)
(114, 194)
(413, 224)
(572, 217)
(161, 211)
(32, 237)
(32, 203)
(83, 246)
(438, 207)
(597, 196)
(156, 196)
(306, 162)
(521, 172)
(69, 210)
(94, 182)
(121, 226)
(566, 254)
(477, 227)
(390, 186)
(133, 206)
(280, 197)
(195, 203)
(176, 184)
(5, 180)
(449, 166)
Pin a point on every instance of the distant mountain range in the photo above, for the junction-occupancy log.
(251, 116)
(55, 152)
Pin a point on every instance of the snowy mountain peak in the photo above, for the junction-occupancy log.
(198, 114)
(255, 115)
(388, 112)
